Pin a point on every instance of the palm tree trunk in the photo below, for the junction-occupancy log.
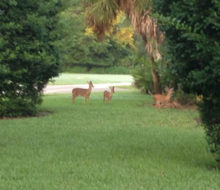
(142, 22)
(156, 78)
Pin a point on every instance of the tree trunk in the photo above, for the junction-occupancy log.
(156, 79)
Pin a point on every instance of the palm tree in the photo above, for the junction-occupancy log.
(101, 14)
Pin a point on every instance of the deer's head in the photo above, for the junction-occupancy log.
(90, 84)
(112, 89)
(168, 90)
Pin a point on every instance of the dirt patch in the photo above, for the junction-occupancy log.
(179, 107)
(175, 104)
(188, 107)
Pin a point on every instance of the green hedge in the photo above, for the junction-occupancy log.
(98, 70)
(28, 57)
(192, 32)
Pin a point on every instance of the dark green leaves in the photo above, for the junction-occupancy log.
(192, 34)
(28, 58)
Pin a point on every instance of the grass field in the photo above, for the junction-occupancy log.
(126, 145)
(69, 78)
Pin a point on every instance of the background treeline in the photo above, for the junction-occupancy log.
(81, 52)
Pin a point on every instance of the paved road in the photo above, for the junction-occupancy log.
(51, 89)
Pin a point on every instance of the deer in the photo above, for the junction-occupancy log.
(161, 100)
(82, 92)
(108, 95)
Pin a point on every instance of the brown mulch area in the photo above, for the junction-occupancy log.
(187, 107)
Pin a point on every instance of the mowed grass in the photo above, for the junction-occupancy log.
(125, 145)
(70, 78)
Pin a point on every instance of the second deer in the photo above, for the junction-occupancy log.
(82, 92)
(161, 100)
(108, 95)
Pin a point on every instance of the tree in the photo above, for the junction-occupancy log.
(101, 14)
(79, 46)
(28, 57)
(192, 34)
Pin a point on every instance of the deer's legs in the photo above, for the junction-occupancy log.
(73, 98)
(86, 99)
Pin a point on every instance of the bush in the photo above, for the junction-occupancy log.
(76, 69)
(109, 70)
(142, 76)
(117, 70)
(185, 98)
(17, 107)
(28, 57)
(98, 70)
(192, 34)
(210, 113)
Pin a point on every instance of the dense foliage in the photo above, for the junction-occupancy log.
(143, 77)
(142, 72)
(192, 31)
(79, 48)
(28, 58)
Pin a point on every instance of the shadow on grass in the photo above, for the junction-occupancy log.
(41, 113)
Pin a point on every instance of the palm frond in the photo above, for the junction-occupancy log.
(139, 12)
(101, 15)
(143, 6)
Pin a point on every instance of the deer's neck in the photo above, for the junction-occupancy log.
(89, 89)
(168, 96)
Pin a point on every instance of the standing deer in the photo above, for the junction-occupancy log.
(82, 92)
(108, 95)
(161, 100)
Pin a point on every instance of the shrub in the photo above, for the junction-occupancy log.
(117, 70)
(142, 76)
(109, 70)
(210, 113)
(28, 57)
(97, 70)
(185, 98)
(76, 69)
(192, 34)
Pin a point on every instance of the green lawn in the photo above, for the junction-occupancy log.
(69, 78)
(126, 145)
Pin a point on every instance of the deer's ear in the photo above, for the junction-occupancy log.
(166, 89)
